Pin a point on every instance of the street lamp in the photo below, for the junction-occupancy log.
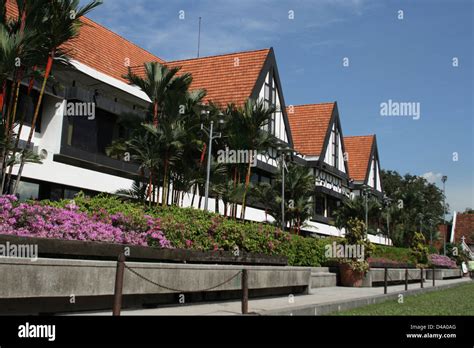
(365, 192)
(388, 202)
(210, 133)
(444, 179)
(283, 152)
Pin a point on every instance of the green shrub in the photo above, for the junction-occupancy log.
(419, 249)
(403, 255)
(189, 228)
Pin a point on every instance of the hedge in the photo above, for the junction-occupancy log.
(402, 255)
(190, 228)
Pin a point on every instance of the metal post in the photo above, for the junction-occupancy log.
(283, 192)
(245, 291)
(208, 172)
(406, 279)
(421, 281)
(443, 179)
(366, 212)
(119, 285)
(433, 275)
(385, 281)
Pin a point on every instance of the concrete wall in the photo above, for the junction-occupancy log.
(444, 274)
(377, 275)
(22, 278)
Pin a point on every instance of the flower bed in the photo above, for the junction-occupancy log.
(380, 262)
(441, 261)
(68, 223)
(193, 229)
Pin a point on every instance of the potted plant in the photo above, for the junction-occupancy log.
(353, 272)
(352, 268)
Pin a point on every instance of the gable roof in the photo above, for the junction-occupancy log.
(309, 125)
(227, 78)
(359, 149)
(101, 48)
(107, 52)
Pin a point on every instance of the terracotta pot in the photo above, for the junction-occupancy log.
(350, 277)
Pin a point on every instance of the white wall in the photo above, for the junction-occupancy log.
(50, 140)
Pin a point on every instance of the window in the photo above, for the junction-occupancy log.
(335, 146)
(254, 178)
(264, 178)
(319, 204)
(332, 205)
(28, 190)
(93, 135)
(26, 107)
(269, 96)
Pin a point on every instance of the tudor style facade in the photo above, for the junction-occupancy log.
(317, 135)
(74, 147)
(364, 164)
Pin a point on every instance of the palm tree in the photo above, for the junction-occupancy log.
(355, 208)
(157, 82)
(163, 146)
(248, 129)
(299, 187)
(264, 193)
(20, 48)
(57, 22)
(136, 192)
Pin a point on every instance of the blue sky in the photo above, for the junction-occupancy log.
(403, 60)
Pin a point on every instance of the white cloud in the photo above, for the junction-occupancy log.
(432, 178)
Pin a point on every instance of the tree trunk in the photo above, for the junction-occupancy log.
(194, 195)
(155, 114)
(247, 183)
(165, 184)
(49, 66)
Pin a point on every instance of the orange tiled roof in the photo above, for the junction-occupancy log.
(309, 125)
(227, 78)
(358, 149)
(101, 49)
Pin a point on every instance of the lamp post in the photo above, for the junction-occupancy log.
(388, 202)
(444, 179)
(283, 152)
(210, 133)
(365, 191)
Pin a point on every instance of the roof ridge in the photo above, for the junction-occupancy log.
(311, 104)
(122, 37)
(359, 136)
(218, 55)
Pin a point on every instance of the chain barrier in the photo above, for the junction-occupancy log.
(141, 276)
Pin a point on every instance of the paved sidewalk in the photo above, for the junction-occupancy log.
(328, 298)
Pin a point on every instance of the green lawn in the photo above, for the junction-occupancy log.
(453, 301)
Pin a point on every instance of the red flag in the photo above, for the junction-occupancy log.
(203, 153)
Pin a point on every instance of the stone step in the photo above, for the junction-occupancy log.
(319, 270)
(323, 279)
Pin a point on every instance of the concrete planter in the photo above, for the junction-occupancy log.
(75, 249)
(376, 276)
(440, 274)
